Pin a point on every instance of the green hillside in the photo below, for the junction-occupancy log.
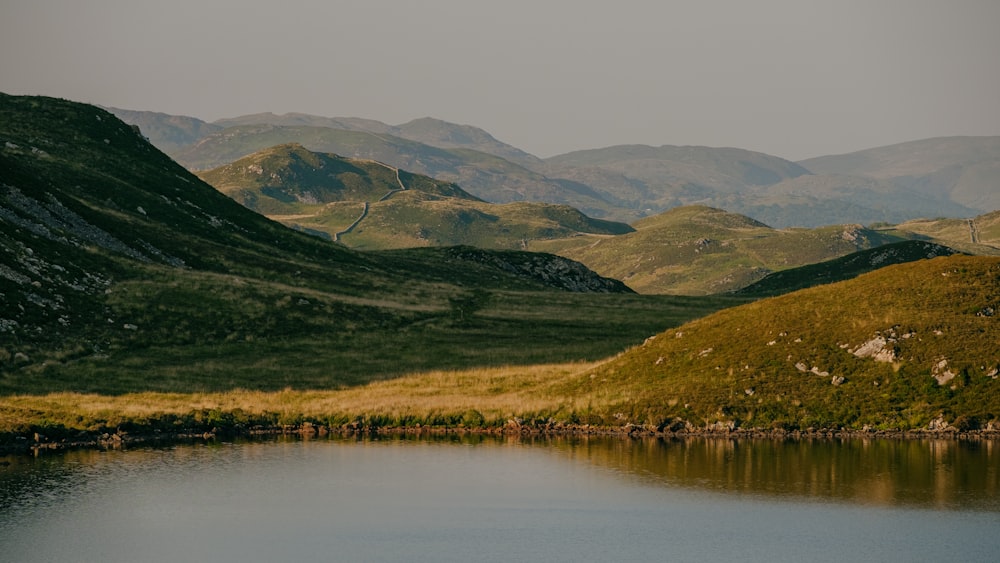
(976, 235)
(413, 219)
(484, 175)
(369, 205)
(701, 250)
(897, 348)
(844, 268)
(289, 179)
(121, 271)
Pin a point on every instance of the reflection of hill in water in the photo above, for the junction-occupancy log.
(921, 473)
(940, 474)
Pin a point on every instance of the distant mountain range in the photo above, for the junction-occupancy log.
(686, 250)
(943, 177)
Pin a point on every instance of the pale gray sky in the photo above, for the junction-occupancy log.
(793, 78)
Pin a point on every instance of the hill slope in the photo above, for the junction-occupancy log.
(976, 235)
(844, 268)
(369, 205)
(699, 250)
(907, 346)
(121, 271)
(953, 177)
(486, 176)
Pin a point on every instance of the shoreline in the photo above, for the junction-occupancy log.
(38, 444)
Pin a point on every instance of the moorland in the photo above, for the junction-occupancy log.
(269, 282)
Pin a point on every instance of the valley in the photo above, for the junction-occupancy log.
(127, 275)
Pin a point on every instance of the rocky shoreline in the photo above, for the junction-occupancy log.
(38, 443)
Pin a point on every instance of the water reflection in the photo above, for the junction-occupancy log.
(940, 474)
(484, 498)
(943, 474)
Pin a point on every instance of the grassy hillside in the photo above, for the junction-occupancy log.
(368, 205)
(290, 179)
(121, 271)
(413, 219)
(844, 268)
(909, 346)
(977, 235)
(700, 250)
(484, 175)
(895, 348)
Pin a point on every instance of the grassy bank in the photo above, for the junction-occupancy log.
(473, 398)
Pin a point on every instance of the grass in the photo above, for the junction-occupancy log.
(698, 250)
(472, 398)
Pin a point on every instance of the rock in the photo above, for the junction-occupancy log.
(941, 373)
(838, 380)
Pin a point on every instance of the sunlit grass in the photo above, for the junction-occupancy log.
(486, 396)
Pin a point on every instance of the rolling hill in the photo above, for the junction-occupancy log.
(976, 235)
(949, 177)
(844, 268)
(121, 271)
(368, 205)
(906, 346)
(483, 175)
(702, 250)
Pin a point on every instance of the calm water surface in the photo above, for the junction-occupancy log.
(494, 499)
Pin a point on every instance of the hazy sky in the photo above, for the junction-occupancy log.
(791, 78)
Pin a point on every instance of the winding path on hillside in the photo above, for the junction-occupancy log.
(367, 206)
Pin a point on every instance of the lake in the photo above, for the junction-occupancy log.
(484, 498)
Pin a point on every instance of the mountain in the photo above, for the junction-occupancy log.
(426, 130)
(167, 132)
(701, 250)
(648, 180)
(906, 346)
(485, 176)
(121, 271)
(943, 177)
(289, 178)
(817, 200)
(961, 169)
(368, 205)
(718, 169)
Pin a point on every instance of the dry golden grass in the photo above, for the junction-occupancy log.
(495, 393)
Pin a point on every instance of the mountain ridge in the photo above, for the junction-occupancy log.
(626, 190)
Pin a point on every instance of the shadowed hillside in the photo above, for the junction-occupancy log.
(121, 271)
